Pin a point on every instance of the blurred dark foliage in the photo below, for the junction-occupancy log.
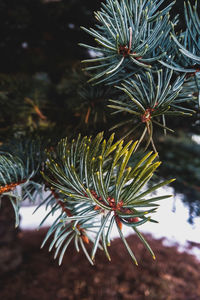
(42, 36)
(21, 98)
(181, 159)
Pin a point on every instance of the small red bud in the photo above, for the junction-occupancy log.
(96, 207)
(85, 239)
(134, 220)
(119, 223)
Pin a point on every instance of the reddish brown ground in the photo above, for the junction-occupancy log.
(173, 276)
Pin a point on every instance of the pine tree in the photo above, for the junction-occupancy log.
(149, 73)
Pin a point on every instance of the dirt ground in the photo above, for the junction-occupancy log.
(173, 276)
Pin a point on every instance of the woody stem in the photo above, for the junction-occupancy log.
(141, 138)
(150, 132)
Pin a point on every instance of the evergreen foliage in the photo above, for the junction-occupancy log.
(186, 55)
(91, 182)
(187, 42)
(131, 35)
(100, 189)
(19, 165)
(152, 97)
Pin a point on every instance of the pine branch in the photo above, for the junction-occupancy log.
(132, 36)
(19, 165)
(186, 55)
(149, 98)
(94, 187)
